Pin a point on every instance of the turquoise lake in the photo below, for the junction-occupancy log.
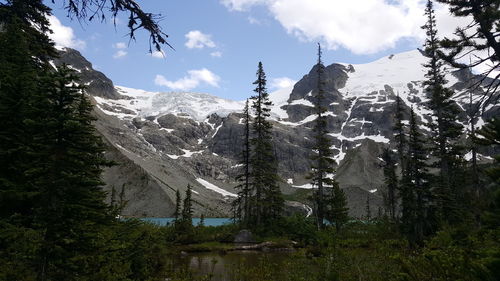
(196, 221)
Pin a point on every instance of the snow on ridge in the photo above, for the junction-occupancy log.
(215, 188)
(305, 186)
(396, 71)
(143, 103)
(280, 98)
(187, 153)
(302, 102)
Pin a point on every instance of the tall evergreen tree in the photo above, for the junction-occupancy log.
(177, 213)
(417, 186)
(490, 134)
(267, 199)
(368, 208)
(243, 200)
(71, 211)
(399, 134)
(479, 40)
(445, 129)
(391, 184)
(322, 166)
(336, 210)
(187, 208)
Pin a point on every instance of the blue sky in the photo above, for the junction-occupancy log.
(218, 43)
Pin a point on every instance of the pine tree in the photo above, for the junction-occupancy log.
(177, 213)
(242, 203)
(202, 221)
(267, 199)
(123, 201)
(322, 167)
(391, 184)
(479, 40)
(445, 129)
(417, 189)
(19, 83)
(490, 134)
(337, 211)
(187, 208)
(399, 134)
(368, 209)
(71, 209)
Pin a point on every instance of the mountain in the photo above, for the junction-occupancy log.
(162, 141)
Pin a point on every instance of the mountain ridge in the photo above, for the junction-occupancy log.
(192, 138)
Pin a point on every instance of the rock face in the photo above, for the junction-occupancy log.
(244, 236)
(96, 82)
(164, 141)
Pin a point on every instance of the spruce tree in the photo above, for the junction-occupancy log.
(337, 211)
(368, 209)
(187, 208)
(399, 134)
(479, 41)
(267, 200)
(177, 213)
(417, 189)
(322, 161)
(71, 209)
(490, 136)
(242, 203)
(445, 129)
(391, 184)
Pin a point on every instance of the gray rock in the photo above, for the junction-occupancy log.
(97, 83)
(244, 236)
(158, 155)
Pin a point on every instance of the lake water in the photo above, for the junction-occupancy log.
(196, 221)
(228, 266)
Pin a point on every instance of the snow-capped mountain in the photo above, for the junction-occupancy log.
(167, 140)
(138, 103)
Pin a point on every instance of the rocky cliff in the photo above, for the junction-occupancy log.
(163, 141)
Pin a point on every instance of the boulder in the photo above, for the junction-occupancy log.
(244, 236)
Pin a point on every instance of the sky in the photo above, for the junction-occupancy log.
(218, 43)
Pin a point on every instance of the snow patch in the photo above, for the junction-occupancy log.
(215, 188)
(305, 186)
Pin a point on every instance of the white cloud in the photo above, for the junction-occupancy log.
(63, 35)
(158, 54)
(253, 20)
(241, 5)
(198, 40)
(361, 26)
(119, 54)
(120, 45)
(190, 81)
(282, 82)
(216, 54)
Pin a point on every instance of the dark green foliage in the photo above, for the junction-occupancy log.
(445, 130)
(337, 210)
(267, 201)
(187, 207)
(478, 36)
(178, 199)
(70, 208)
(391, 184)
(242, 205)
(322, 161)
(399, 134)
(490, 134)
(451, 255)
(417, 210)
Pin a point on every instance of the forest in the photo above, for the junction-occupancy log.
(441, 213)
